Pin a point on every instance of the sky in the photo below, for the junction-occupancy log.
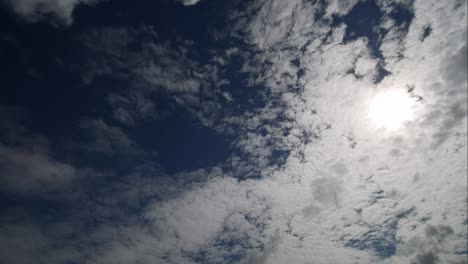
(233, 131)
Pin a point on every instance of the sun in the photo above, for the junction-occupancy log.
(390, 109)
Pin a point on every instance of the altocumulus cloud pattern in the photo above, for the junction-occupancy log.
(209, 131)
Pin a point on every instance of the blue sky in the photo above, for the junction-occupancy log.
(204, 131)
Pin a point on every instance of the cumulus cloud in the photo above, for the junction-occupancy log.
(313, 180)
(345, 191)
(338, 130)
(189, 2)
(36, 10)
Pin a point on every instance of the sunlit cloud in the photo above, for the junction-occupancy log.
(390, 109)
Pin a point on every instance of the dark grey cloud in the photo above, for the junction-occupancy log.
(427, 258)
(431, 248)
(29, 170)
(27, 166)
(106, 139)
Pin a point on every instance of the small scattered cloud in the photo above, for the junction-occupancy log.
(188, 2)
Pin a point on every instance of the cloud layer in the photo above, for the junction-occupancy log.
(310, 178)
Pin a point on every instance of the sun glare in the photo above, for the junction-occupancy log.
(390, 109)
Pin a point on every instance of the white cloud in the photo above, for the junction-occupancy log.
(348, 191)
(179, 229)
(36, 10)
(189, 2)
(378, 181)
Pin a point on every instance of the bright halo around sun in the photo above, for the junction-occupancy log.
(390, 109)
